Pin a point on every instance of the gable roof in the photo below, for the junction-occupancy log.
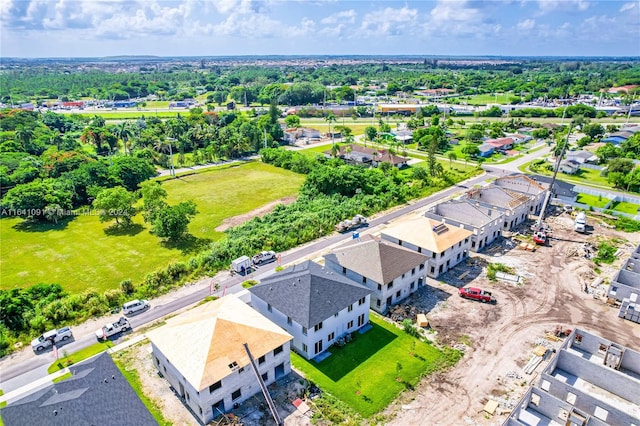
(97, 394)
(464, 211)
(376, 259)
(202, 342)
(421, 231)
(309, 293)
(365, 154)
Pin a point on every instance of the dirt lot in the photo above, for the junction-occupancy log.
(501, 337)
(260, 211)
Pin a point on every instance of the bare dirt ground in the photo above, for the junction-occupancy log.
(260, 211)
(500, 338)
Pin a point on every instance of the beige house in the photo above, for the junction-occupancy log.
(444, 245)
(201, 353)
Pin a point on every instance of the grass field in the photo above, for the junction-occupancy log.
(364, 374)
(592, 200)
(78, 356)
(624, 207)
(489, 98)
(81, 252)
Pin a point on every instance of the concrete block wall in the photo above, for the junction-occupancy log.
(607, 378)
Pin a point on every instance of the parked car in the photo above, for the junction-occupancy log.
(113, 328)
(476, 294)
(50, 337)
(135, 306)
(264, 256)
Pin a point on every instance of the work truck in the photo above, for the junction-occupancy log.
(476, 294)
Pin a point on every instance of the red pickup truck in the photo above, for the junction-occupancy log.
(476, 294)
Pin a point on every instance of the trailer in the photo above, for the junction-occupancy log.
(241, 265)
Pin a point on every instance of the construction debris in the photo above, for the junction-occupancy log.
(586, 250)
(399, 313)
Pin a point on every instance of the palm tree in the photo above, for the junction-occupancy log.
(164, 146)
(451, 156)
(331, 118)
(124, 132)
(24, 136)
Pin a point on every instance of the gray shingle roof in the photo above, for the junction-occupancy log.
(378, 260)
(97, 394)
(309, 293)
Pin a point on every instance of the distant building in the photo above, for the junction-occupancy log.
(582, 156)
(591, 381)
(569, 167)
(360, 155)
(625, 288)
(513, 204)
(537, 191)
(486, 150)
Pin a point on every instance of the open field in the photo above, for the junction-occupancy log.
(364, 374)
(489, 98)
(592, 200)
(81, 252)
(624, 207)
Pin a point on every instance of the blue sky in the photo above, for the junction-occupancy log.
(76, 28)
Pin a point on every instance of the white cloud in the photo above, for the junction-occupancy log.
(461, 18)
(526, 25)
(343, 17)
(546, 6)
(628, 6)
(389, 22)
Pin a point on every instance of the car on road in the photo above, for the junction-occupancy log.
(264, 256)
(113, 328)
(135, 306)
(476, 294)
(50, 337)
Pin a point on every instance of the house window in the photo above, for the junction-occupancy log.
(403, 275)
(398, 294)
(419, 249)
(433, 255)
(378, 303)
(421, 266)
(466, 240)
(304, 348)
(433, 269)
(458, 256)
(412, 286)
(390, 285)
(364, 280)
(265, 376)
(344, 270)
(157, 361)
(304, 330)
(360, 320)
(613, 290)
(318, 346)
(262, 359)
(379, 287)
(215, 386)
(240, 370)
(442, 255)
(535, 399)
(318, 326)
(413, 271)
(236, 394)
(350, 324)
(545, 385)
(233, 365)
(330, 336)
(448, 261)
(200, 409)
(269, 307)
(399, 242)
(460, 244)
(361, 301)
(165, 368)
(336, 314)
(289, 321)
(473, 244)
(277, 350)
(350, 308)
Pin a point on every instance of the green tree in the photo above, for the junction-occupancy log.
(292, 121)
(153, 199)
(451, 156)
(130, 171)
(541, 133)
(370, 133)
(115, 203)
(619, 170)
(31, 200)
(471, 150)
(172, 222)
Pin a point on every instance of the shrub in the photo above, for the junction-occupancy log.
(126, 286)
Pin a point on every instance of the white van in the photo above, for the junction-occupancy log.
(135, 306)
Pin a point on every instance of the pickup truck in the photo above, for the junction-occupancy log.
(113, 328)
(264, 256)
(51, 337)
(476, 294)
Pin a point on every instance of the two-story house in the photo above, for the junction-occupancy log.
(484, 222)
(537, 191)
(390, 271)
(513, 204)
(314, 304)
(201, 353)
(444, 245)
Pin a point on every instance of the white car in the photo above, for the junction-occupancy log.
(135, 306)
(264, 256)
(51, 337)
(113, 328)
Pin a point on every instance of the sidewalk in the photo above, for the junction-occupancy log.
(46, 381)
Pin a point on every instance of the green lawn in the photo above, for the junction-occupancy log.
(76, 357)
(588, 177)
(364, 374)
(624, 207)
(592, 200)
(489, 98)
(81, 252)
